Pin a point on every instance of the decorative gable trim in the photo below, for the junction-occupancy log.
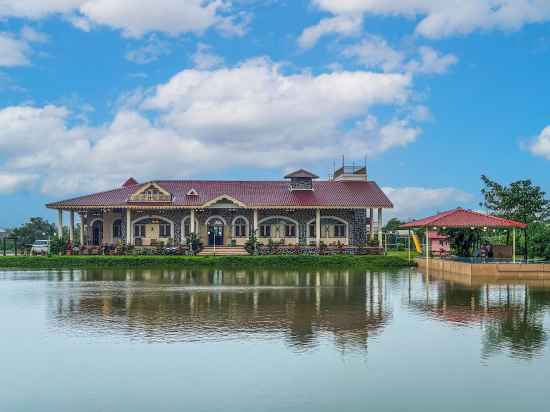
(224, 197)
(151, 192)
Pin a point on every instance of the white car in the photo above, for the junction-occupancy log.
(40, 247)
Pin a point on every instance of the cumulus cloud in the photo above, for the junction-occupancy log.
(540, 146)
(134, 20)
(17, 50)
(347, 25)
(204, 58)
(13, 51)
(412, 202)
(437, 18)
(251, 115)
(150, 52)
(374, 52)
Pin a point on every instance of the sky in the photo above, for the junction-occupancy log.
(433, 93)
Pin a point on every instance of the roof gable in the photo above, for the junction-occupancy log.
(301, 173)
(224, 201)
(151, 192)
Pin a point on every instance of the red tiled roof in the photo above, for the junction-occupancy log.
(251, 193)
(464, 218)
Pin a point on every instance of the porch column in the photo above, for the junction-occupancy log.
(371, 224)
(81, 229)
(128, 227)
(255, 222)
(380, 244)
(60, 223)
(318, 227)
(71, 226)
(192, 221)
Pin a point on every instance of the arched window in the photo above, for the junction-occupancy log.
(117, 229)
(240, 227)
(279, 227)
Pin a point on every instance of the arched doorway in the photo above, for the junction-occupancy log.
(215, 232)
(97, 232)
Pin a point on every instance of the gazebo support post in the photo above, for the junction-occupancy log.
(514, 245)
(409, 245)
(427, 247)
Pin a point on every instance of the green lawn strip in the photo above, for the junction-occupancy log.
(281, 261)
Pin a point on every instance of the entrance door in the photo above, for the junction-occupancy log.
(215, 233)
(97, 233)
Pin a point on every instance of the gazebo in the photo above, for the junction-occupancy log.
(465, 219)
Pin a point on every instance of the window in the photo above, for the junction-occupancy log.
(139, 230)
(117, 229)
(265, 231)
(340, 230)
(240, 227)
(164, 230)
(312, 230)
(290, 230)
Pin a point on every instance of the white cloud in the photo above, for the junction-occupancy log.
(13, 51)
(204, 58)
(417, 202)
(33, 36)
(375, 53)
(10, 183)
(431, 62)
(540, 146)
(437, 18)
(150, 52)
(250, 115)
(343, 25)
(16, 51)
(134, 19)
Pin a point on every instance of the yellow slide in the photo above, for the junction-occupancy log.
(416, 243)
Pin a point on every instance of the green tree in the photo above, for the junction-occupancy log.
(521, 201)
(36, 228)
(393, 224)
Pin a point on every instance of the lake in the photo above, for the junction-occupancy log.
(213, 340)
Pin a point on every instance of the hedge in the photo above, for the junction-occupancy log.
(279, 261)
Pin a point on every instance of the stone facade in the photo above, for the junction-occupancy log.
(356, 221)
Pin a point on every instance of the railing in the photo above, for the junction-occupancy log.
(350, 170)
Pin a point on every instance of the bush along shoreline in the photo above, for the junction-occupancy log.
(260, 262)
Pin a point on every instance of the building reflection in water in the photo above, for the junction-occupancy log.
(186, 305)
(510, 314)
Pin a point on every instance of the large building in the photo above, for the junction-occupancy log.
(298, 210)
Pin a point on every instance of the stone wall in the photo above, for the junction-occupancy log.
(357, 221)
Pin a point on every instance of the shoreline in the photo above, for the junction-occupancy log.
(279, 261)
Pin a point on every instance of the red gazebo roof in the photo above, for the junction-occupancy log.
(458, 218)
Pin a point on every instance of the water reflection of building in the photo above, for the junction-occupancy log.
(510, 314)
(183, 305)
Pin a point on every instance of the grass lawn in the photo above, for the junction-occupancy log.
(283, 261)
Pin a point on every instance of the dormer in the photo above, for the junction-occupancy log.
(192, 192)
(301, 180)
(151, 192)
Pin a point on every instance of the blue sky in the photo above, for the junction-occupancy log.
(434, 94)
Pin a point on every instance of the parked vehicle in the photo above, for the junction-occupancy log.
(40, 247)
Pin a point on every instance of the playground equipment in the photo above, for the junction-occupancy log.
(416, 242)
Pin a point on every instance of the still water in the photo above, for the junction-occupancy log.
(165, 340)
